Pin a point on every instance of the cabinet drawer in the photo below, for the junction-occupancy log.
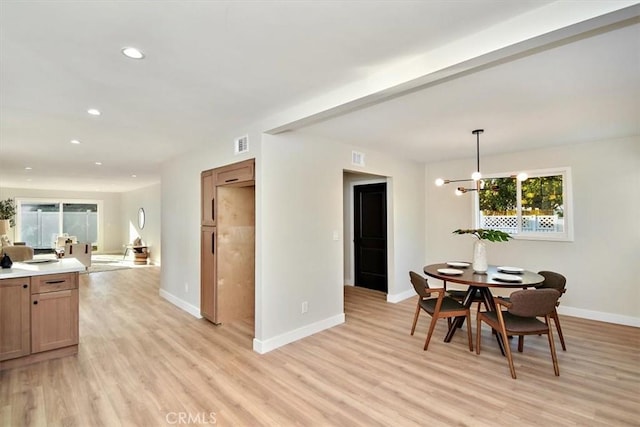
(238, 172)
(53, 282)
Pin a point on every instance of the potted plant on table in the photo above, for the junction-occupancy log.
(479, 249)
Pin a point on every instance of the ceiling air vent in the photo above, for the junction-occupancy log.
(241, 144)
(357, 158)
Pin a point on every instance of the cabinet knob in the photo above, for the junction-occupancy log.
(35, 303)
(25, 286)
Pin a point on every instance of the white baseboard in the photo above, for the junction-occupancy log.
(395, 298)
(600, 316)
(191, 309)
(291, 336)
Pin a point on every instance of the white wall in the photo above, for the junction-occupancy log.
(300, 209)
(109, 217)
(299, 205)
(600, 264)
(148, 198)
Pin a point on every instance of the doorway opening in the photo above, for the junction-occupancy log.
(365, 222)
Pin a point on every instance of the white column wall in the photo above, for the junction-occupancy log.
(301, 208)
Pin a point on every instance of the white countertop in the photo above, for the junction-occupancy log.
(21, 269)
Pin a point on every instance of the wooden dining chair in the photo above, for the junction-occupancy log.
(438, 306)
(557, 281)
(521, 318)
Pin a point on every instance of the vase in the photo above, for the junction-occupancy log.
(480, 257)
(6, 262)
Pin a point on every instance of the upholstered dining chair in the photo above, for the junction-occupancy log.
(557, 281)
(521, 318)
(438, 306)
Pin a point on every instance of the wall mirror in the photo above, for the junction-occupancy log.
(141, 218)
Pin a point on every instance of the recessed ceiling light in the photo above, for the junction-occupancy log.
(93, 112)
(75, 141)
(132, 52)
(28, 168)
(134, 176)
(99, 163)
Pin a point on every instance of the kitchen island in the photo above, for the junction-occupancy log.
(38, 311)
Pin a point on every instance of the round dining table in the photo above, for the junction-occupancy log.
(494, 277)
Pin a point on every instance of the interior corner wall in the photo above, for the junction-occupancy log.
(606, 200)
(109, 223)
(149, 199)
(301, 209)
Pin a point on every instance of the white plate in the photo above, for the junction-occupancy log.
(458, 264)
(512, 270)
(450, 271)
(506, 277)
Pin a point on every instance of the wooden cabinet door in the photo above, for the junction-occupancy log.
(14, 318)
(54, 320)
(208, 198)
(208, 292)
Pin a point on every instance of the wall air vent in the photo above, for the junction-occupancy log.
(357, 158)
(241, 144)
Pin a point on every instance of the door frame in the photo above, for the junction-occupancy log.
(350, 263)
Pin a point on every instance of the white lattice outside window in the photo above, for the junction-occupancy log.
(537, 208)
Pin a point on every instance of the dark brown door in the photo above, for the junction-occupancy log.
(370, 236)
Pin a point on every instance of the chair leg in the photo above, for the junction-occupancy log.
(469, 332)
(520, 343)
(507, 349)
(432, 326)
(415, 318)
(478, 334)
(552, 347)
(554, 315)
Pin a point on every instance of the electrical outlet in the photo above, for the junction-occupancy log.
(186, 287)
(305, 307)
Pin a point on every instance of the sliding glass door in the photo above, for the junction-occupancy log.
(40, 222)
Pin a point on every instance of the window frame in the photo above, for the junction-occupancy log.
(567, 195)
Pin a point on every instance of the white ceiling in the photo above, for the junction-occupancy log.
(213, 68)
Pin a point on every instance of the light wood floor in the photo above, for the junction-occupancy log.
(144, 362)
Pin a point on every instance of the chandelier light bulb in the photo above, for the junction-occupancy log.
(439, 182)
(522, 176)
(476, 176)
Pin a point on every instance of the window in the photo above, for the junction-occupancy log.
(537, 208)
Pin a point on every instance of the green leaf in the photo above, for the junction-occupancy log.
(486, 234)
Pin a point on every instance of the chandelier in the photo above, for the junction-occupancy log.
(476, 176)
